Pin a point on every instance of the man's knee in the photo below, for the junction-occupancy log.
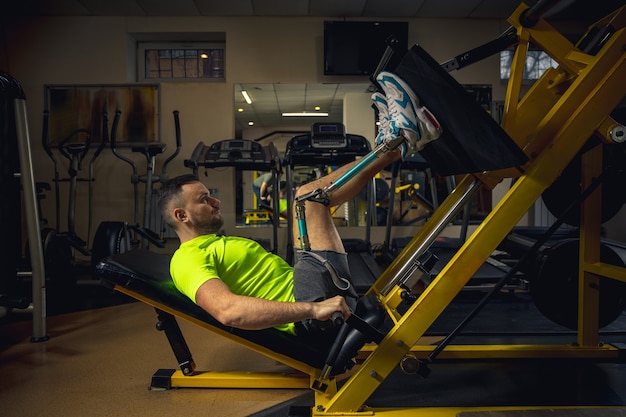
(305, 189)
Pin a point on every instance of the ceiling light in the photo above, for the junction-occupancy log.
(246, 97)
(306, 114)
(240, 110)
(250, 123)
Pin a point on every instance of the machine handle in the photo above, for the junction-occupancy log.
(81, 148)
(105, 135)
(178, 146)
(337, 318)
(116, 121)
(44, 134)
(177, 127)
(392, 47)
(195, 157)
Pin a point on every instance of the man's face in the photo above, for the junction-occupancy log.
(202, 210)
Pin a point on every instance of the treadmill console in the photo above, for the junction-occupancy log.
(328, 135)
(301, 151)
(235, 150)
(239, 153)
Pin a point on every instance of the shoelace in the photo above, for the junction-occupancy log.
(384, 126)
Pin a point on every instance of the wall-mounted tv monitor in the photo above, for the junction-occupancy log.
(355, 48)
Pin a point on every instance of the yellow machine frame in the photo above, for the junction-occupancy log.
(551, 123)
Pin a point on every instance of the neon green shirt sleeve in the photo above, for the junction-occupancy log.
(190, 269)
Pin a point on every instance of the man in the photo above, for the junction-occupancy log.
(262, 186)
(240, 284)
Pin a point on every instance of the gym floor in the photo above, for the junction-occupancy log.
(103, 350)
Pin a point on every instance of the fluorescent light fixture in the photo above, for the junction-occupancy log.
(306, 114)
(246, 97)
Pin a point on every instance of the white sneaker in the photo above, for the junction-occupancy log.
(380, 102)
(417, 125)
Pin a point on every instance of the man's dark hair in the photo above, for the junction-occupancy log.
(171, 190)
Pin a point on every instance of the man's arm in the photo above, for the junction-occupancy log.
(249, 313)
(263, 191)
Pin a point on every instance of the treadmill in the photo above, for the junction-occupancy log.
(245, 155)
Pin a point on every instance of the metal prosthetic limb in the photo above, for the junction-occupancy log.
(322, 195)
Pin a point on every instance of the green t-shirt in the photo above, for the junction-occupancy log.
(242, 264)
(282, 205)
(268, 178)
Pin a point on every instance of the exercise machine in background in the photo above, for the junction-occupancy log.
(144, 233)
(417, 180)
(242, 155)
(17, 174)
(60, 247)
(74, 147)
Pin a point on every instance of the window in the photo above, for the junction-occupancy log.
(537, 62)
(179, 56)
(184, 63)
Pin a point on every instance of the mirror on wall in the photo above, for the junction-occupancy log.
(259, 116)
(262, 108)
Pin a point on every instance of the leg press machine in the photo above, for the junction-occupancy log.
(540, 134)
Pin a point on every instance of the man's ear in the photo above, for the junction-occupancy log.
(180, 215)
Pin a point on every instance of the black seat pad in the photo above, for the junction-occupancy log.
(146, 273)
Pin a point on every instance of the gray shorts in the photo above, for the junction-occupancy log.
(313, 281)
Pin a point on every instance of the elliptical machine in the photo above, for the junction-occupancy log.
(60, 247)
(144, 233)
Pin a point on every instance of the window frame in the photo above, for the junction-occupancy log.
(146, 45)
(529, 56)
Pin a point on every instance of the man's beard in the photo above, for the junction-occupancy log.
(212, 226)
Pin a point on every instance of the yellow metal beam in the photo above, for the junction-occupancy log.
(589, 250)
(606, 270)
(454, 411)
(512, 351)
(243, 380)
(295, 364)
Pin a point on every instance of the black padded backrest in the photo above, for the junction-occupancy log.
(146, 273)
